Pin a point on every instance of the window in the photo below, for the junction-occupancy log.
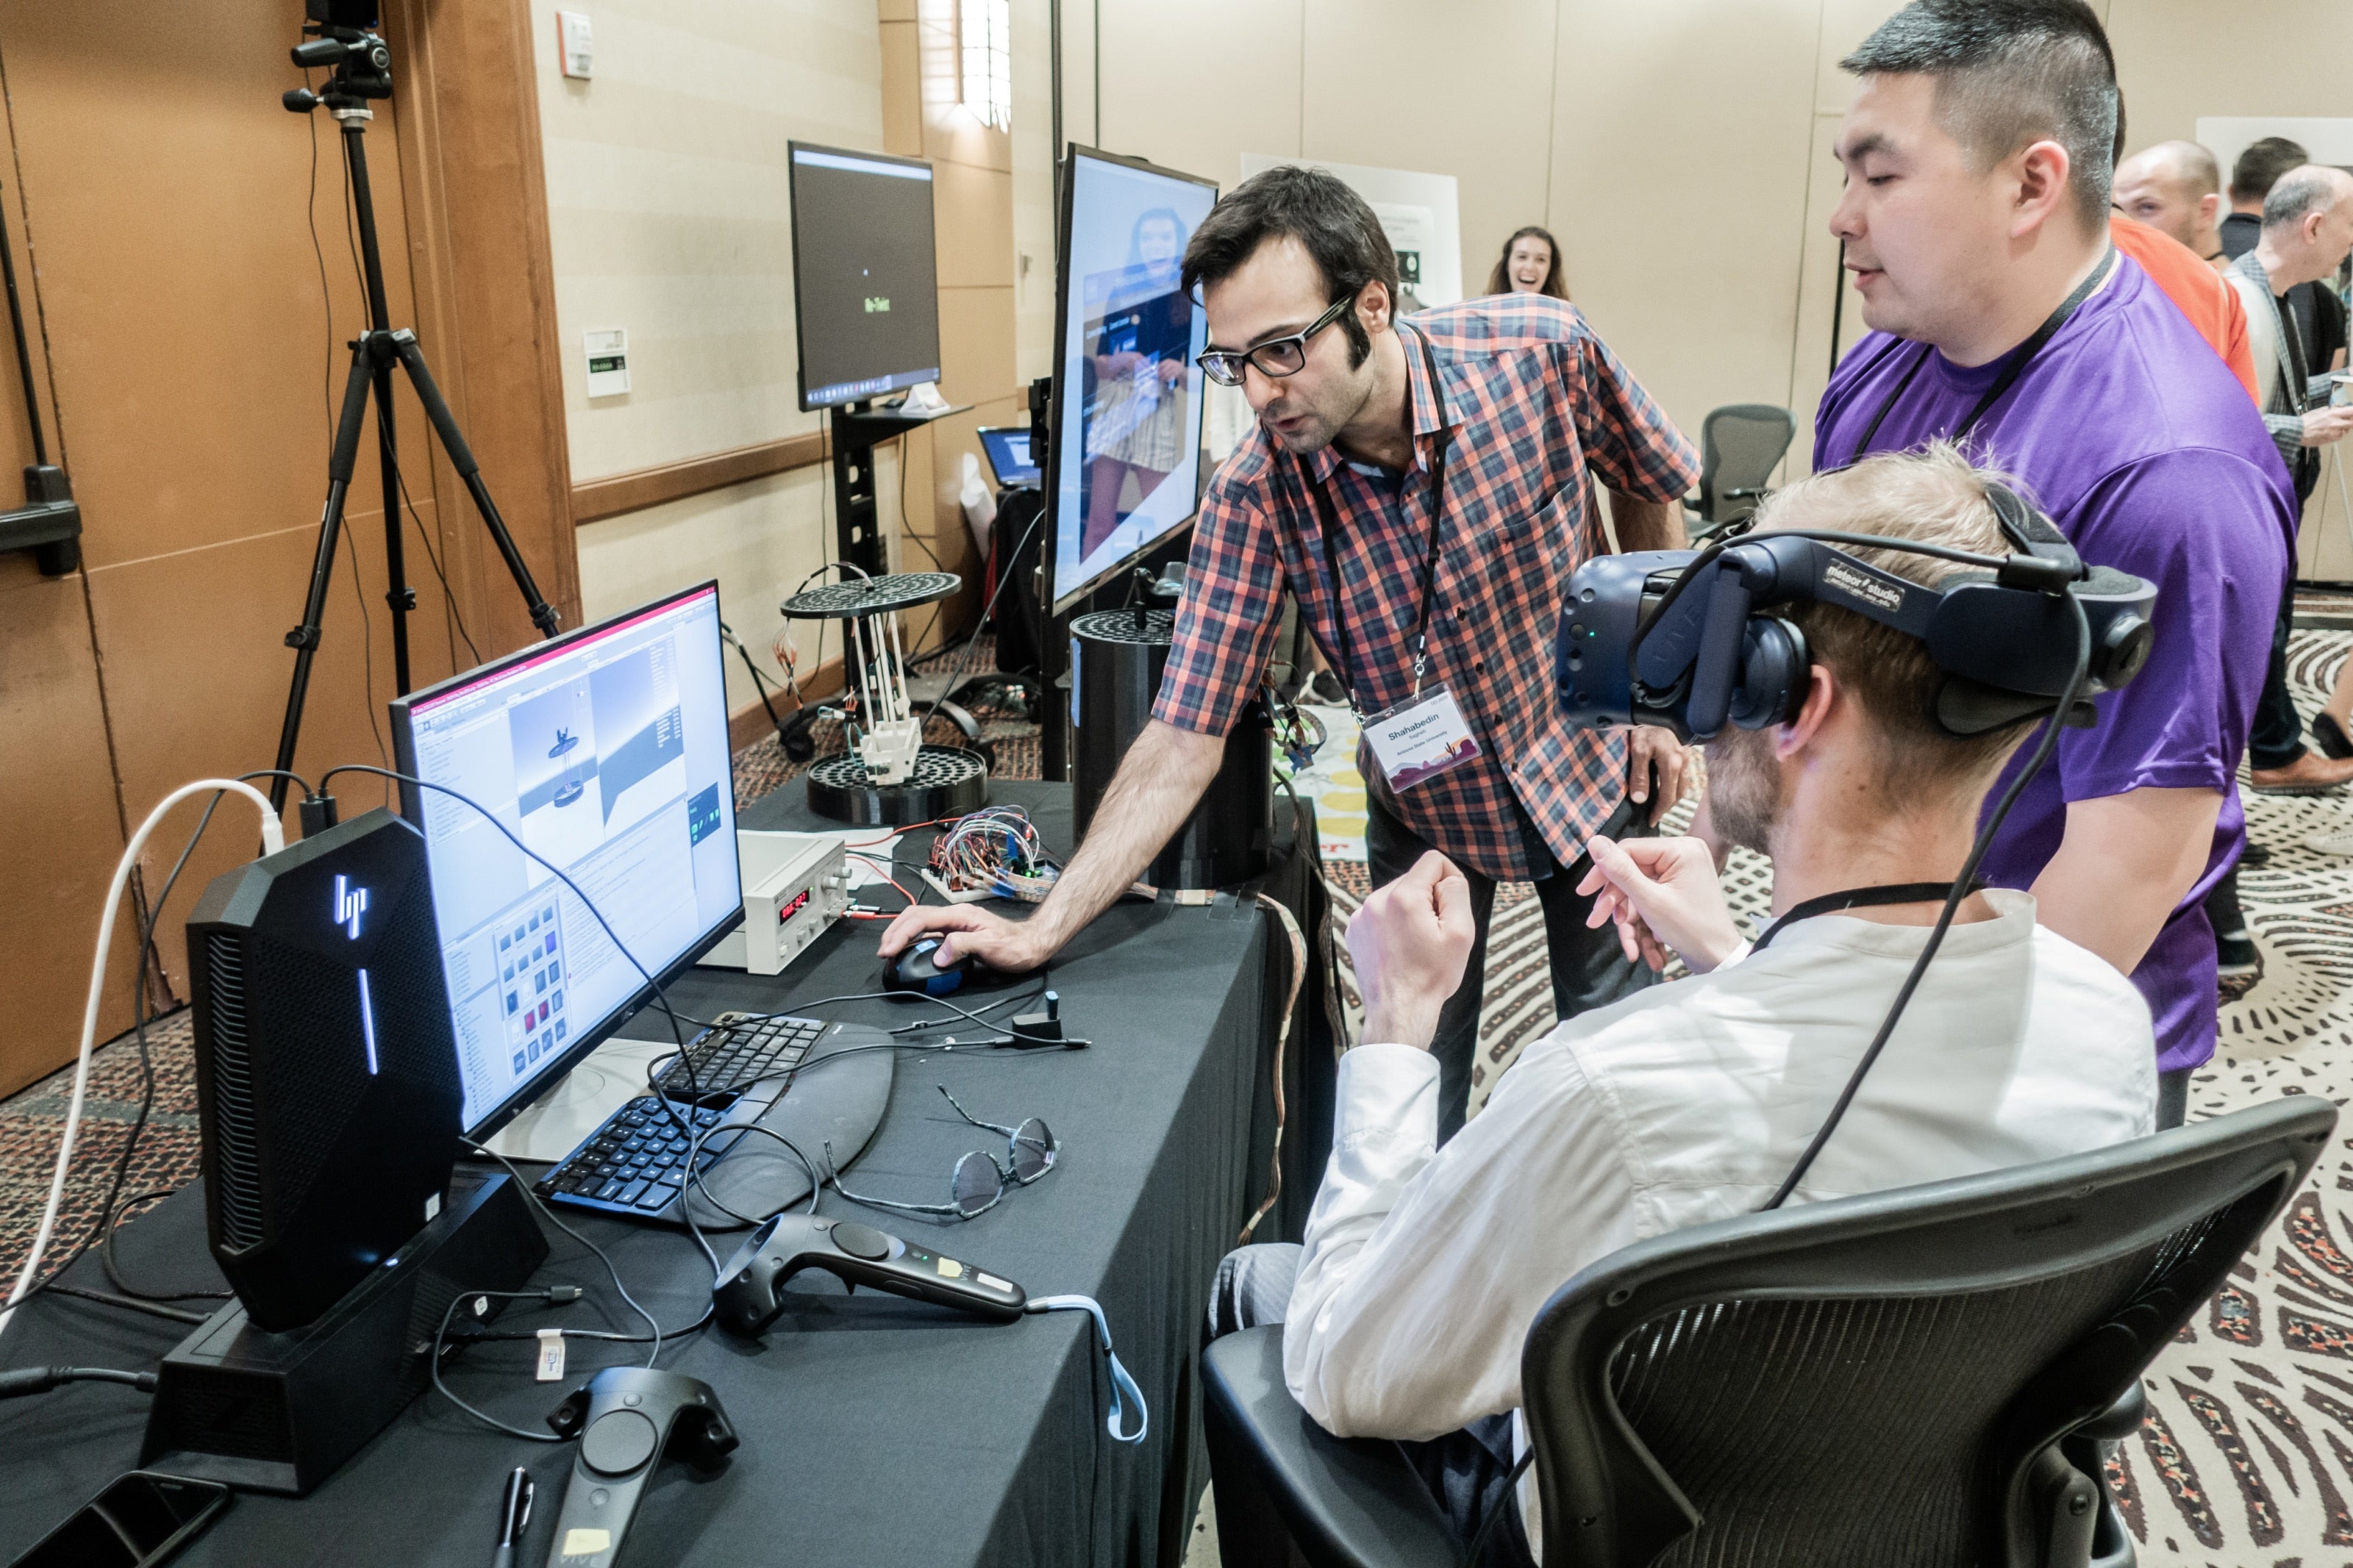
(986, 33)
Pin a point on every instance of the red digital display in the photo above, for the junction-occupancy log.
(789, 911)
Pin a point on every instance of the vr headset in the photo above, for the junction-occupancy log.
(1688, 641)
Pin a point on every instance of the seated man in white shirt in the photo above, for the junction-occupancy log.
(1422, 1268)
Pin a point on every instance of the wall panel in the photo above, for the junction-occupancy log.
(195, 348)
(1194, 84)
(1471, 97)
(1682, 231)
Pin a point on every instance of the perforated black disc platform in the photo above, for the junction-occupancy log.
(947, 781)
(1153, 627)
(869, 596)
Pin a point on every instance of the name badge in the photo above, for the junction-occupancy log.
(1419, 739)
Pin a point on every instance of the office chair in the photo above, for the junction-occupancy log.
(1919, 1376)
(1740, 446)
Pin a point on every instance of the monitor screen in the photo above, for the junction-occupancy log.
(606, 752)
(1127, 397)
(865, 281)
(1007, 447)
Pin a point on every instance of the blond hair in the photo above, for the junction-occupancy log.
(1935, 496)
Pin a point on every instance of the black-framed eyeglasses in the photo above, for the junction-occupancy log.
(979, 1180)
(1275, 357)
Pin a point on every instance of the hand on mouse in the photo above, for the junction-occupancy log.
(1410, 941)
(1009, 947)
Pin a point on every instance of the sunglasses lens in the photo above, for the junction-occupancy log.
(1033, 1151)
(976, 1183)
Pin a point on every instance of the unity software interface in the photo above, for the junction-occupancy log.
(607, 755)
(1132, 435)
(864, 273)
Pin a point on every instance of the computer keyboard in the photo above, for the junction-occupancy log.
(744, 1074)
(637, 1159)
(747, 1046)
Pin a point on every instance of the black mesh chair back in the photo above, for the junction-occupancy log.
(1740, 446)
(1882, 1379)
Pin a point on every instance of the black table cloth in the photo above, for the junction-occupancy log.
(874, 1429)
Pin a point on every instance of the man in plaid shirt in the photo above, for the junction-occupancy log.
(1503, 404)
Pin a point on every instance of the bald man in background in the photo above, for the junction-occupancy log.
(2176, 188)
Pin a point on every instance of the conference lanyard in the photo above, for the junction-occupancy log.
(1328, 520)
(1862, 897)
(2009, 377)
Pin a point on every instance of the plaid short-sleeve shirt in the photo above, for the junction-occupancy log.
(1532, 399)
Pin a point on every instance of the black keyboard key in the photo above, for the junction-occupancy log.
(610, 1191)
(630, 1193)
(656, 1196)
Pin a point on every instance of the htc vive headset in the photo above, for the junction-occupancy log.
(1687, 639)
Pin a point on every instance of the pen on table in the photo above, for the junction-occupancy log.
(515, 1512)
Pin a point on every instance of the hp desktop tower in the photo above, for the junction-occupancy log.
(326, 1069)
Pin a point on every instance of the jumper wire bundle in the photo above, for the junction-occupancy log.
(994, 852)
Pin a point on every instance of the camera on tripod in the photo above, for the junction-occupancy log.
(342, 38)
(343, 41)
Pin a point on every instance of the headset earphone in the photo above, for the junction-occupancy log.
(1687, 639)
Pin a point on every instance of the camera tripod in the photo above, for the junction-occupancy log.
(362, 69)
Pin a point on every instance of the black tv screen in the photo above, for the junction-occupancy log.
(865, 281)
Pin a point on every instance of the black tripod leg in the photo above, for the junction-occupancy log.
(397, 592)
(304, 639)
(461, 458)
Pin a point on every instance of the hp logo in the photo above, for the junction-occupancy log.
(350, 904)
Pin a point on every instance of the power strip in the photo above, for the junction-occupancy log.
(795, 886)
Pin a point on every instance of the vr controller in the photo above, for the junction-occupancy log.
(1686, 640)
(626, 1418)
(750, 1293)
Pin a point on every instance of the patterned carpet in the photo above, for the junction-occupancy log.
(2247, 1459)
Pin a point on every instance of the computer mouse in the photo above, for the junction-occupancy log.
(913, 970)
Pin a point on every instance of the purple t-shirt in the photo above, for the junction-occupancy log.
(2146, 452)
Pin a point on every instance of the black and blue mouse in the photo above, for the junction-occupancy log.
(917, 969)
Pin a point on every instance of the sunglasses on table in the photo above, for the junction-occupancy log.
(1276, 357)
(979, 1180)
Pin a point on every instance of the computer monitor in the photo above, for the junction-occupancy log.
(865, 282)
(605, 750)
(1126, 419)
(1009, 458)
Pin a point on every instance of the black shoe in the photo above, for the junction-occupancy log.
(1325, 688)
(2333, 741)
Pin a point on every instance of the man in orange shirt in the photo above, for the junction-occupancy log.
(2159, 184)
(2212, 305)
(2144, 188)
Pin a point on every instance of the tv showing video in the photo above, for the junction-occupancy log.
(866, 293)
(1126, 445)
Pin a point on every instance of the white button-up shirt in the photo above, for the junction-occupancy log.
(1687, 1102)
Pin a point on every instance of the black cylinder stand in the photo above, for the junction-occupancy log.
(1228, 838)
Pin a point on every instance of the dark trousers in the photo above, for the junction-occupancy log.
(1467, 1472)
(1588, 969)
(2173, 1097)
(2278, 736)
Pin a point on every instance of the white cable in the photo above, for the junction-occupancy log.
(273, 839)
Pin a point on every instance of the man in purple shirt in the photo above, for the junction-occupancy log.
(1975, 221)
